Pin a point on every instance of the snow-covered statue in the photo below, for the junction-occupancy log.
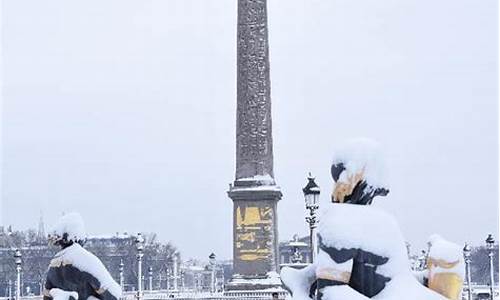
(75, 273)
(361, 251)
(445, 268)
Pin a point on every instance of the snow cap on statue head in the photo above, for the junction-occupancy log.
(358, 160)
(445, 257)
(68, 229)
(356, 155)
(440, 248)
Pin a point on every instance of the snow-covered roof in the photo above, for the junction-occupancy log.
(297, 244)
(109, 236)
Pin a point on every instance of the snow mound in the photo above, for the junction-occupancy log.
(362, 154)
(343, 292)
(58, 294)
(406, 286)
(71, 224)
(85, 261)
(298, 281)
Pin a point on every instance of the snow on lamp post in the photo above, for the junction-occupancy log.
(213, 262)
(311, 196)
(139, 244)
(150, 278)
(490, 245)
(121, 268)
(467, 253)
(18, 261)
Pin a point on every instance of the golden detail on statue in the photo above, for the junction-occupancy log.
(344, 188)
(448, 284)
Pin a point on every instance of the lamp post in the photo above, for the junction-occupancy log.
(18, 260)
(139, 244)
(175, 272)
(10, 289)
(121, 268)
(168, 279)
(408, 249)
(311, 196)
(182, 280)
(467, 252)
(150, 278)
(40, 287)
(213, 262)
(490, 245)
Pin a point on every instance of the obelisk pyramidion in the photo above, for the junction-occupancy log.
(254, 192)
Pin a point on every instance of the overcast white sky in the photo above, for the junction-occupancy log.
(125, 112)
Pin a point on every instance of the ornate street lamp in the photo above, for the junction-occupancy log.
(139, 244)
(467, 253)
(150, 278)
(490, 246)
(213, 263)
(311, 196)
(18, 261)
(122, 279)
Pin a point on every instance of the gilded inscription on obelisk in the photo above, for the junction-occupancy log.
(252, 224)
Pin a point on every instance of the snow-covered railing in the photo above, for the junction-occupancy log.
(159, 295)
(251, 295)
(37, 297)
(199, 296)
(479, 290)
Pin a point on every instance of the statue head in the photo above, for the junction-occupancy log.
(357, 170)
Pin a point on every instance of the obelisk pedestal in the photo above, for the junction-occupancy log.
(254, 192)
(255, 235)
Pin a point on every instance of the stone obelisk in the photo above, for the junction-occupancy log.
(254, 191)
